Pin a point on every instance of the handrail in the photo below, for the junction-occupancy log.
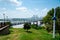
(3, 27)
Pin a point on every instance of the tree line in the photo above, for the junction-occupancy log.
(49, 22)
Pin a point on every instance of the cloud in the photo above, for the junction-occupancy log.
(16, 2)
(44, 12)
(40, 12)
(36, 9)
(45, 9)
(22, 9)
(3, 10)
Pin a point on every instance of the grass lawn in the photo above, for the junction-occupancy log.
(21, 34)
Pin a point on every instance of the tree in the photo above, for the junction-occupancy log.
(49, 22)
(27, 26)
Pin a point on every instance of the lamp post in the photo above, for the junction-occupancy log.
(4, 18)
(54, 18)
(7, 18)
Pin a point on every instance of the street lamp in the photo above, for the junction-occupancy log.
(7, 18)
(54, 18)
(4, 18)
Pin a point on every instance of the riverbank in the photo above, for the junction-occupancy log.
(21, 34)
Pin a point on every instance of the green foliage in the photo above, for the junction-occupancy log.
(8, 23)
(20, 34)
(35, 26)
(27, 26)
(48, 19)
(41, 27)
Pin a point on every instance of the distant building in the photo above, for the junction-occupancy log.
(39, 23)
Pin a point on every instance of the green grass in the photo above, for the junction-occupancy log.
(21, 34)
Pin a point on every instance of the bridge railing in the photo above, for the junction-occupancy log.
(4, 27)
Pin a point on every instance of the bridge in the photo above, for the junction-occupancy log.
(32, 22)
(17, 23)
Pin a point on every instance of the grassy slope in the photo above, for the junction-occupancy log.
(20, 34)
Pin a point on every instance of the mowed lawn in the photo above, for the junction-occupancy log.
(21, 34)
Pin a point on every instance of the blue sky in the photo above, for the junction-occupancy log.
(26, 8)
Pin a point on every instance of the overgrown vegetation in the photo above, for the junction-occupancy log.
(49, 22)
(20, 34)
(35, 26)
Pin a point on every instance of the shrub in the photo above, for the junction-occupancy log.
(49, 28)
(41, 27)
(27, 26)
(35, 26)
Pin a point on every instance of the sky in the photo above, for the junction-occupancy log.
(26, 8)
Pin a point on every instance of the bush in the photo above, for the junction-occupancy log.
(41, 27)
(49, 27)
(35, 26)
(27, 26)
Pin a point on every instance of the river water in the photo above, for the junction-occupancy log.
(18, 26)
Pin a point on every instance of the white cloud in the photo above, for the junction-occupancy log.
(36, 9)
(16, 2)
(44, 12)
(4, 9)
(45, 9)
(22, 9)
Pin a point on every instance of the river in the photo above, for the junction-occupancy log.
(18, 26)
